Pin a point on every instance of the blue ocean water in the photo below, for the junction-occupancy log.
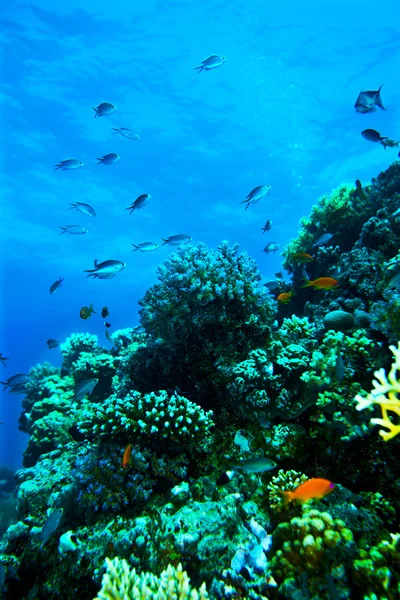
(279, 111)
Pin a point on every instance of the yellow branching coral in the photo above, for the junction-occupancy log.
(120, 582)
(386, 394)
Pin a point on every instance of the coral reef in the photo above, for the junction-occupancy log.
(173, 466)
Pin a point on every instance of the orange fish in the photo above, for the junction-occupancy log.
(285, 297)
(127, 455)
(303, 257)
(86, 312)
(321, 283)
(312, 489)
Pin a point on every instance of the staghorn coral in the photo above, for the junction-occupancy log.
(386, 394)
(120, 582)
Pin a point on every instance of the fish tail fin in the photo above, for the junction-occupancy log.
(100, 160)
(308, 283)
(95, 112)
(165, 241)
(135, 247)
(56, 167)
(286, 497)
(200, 68)
(64, 230)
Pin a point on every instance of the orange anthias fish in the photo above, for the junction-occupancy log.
(86, 312)
(127, 455)
(285, 297)
(312, 489)
(303, 257)
(322, 283)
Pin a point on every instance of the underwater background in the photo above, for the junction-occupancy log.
(267, 383)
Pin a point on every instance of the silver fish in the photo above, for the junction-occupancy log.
(367, 101)
(339, 367)
(144, 247)
(50, 525)
(261, 464)
(175, 240)
(68, 165)
(125, 132)
(52, 343)
(104, 109)
(323, 239)
(19, 379)
(212, 62)
(108, 159)
(74, 230)
(85, 387)
(56, 285)
(140, 201)
(271, 247)
(256, 195)
(105, 270)
(84, 208)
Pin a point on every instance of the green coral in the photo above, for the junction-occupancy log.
(155, 416)
(377, 570)
(311, 544)
(76, 344)
(250, 378)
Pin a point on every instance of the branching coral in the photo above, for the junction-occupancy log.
(120, 582)
(386, 394)
(156, 416)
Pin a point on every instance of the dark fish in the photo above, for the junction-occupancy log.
(271, 247)
(323, 239)
(104, 109)
(107, 324)
(105, 270)
(19, 379)
(212, 62)
(86, 312)
(85, 387)
(108, 159)
(74, 230)
(125, 132)
(175, 240)
(260, 464)
(68, 165)
(50, 525)
(272, 285)
(374, 136)
(104, 312)
(279, 275)
(2, 359)
(56, 285)
(267, 226)
(368, 101)
(140, 201)
(86, 209)
(52, 343)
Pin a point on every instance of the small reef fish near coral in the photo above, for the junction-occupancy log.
(241, 442)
